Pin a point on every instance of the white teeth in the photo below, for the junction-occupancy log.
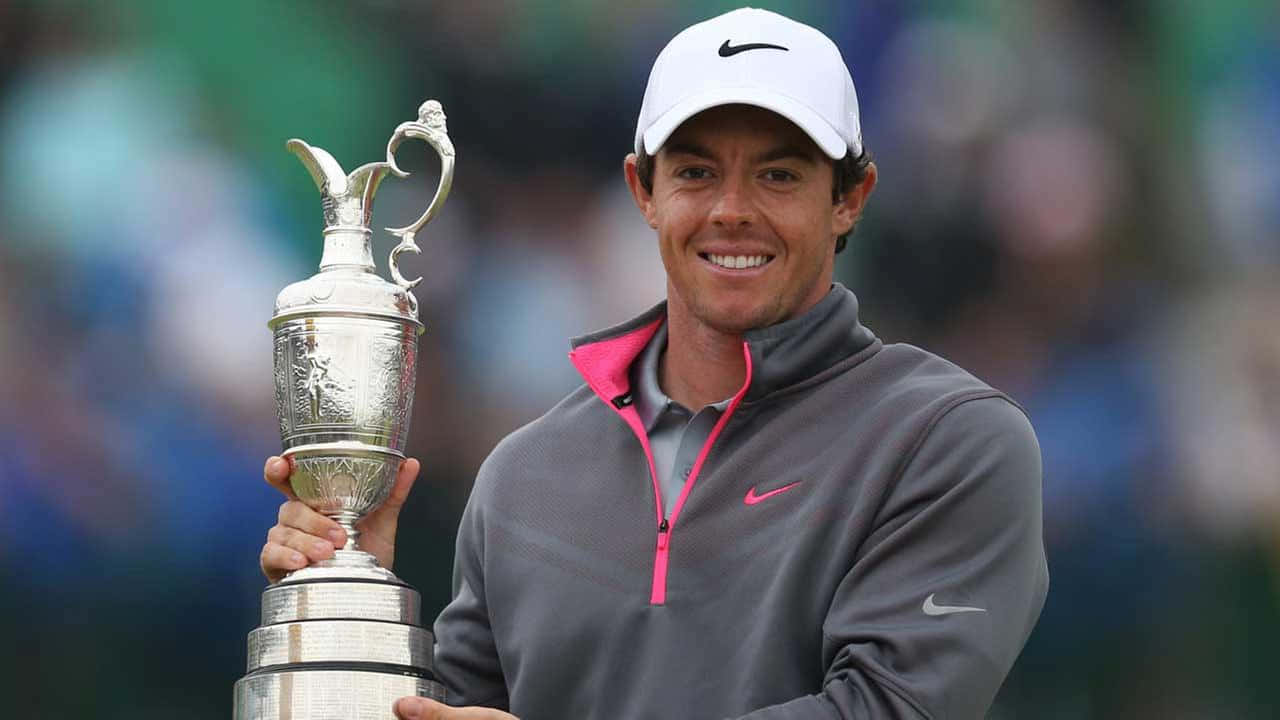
(738, 261)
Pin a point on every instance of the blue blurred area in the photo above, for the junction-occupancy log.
(1079, 201)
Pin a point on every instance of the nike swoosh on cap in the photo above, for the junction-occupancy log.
(727, 50)
(752, 498)
(931, 609)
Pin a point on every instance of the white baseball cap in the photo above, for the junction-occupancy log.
(752, 57)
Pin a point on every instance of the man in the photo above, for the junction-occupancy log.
(752, 507)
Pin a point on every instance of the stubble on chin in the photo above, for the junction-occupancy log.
(736, 322)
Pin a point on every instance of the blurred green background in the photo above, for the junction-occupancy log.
(1079, 202)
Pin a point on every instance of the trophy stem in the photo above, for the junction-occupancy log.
(347, 520)
(349, 562)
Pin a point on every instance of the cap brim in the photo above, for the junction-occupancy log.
(826, 138)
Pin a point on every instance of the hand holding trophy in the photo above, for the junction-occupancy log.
(302, 536)
(343, 637)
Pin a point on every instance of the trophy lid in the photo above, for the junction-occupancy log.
(346, 283)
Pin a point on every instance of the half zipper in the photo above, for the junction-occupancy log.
(658, 594)
(613, 391)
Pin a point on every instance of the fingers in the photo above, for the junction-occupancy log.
(314, 548)
(289, 548)
(418, 708)
(302, 536)
(277, 561)
(276, 473)
(295, 514)
(379, 526)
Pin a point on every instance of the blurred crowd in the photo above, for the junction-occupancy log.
(1079, 201)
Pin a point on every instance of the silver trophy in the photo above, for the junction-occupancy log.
(344, 637)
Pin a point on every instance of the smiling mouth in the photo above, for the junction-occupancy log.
(736, 262)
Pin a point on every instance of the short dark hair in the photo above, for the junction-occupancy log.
(849, 172)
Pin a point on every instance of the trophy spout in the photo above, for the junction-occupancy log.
(347, 201)
(323, 168)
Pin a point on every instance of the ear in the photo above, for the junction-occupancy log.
(642, 197)
(845, 212)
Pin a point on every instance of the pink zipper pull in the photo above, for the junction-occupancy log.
(659, 594)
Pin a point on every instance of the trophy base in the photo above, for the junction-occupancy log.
(287, 602)
(339, 642)
(327, 694)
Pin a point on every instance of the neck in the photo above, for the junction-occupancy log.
(702, 365)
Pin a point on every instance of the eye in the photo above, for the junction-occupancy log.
(693, 173)
(780, 175)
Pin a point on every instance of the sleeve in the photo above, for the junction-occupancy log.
(466, 656)
(944, 593)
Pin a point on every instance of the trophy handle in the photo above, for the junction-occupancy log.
(430, 126)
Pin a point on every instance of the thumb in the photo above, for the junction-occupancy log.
(420, 708)
(405, 477)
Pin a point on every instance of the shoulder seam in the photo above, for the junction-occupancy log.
(933, 421)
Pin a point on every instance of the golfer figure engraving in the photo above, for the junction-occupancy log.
(316, 368)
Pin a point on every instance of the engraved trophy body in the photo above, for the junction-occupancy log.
(344, 637)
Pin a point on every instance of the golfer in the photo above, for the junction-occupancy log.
(751, 507)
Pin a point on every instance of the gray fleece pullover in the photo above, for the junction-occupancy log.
(860, 538)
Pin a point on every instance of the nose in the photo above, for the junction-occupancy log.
(733, 206)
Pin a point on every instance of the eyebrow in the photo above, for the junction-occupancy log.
(786, 152)
(687, 148)
(782, 152)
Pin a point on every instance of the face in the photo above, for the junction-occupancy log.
(742, 203)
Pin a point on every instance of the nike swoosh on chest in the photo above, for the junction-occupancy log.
(755, 495)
